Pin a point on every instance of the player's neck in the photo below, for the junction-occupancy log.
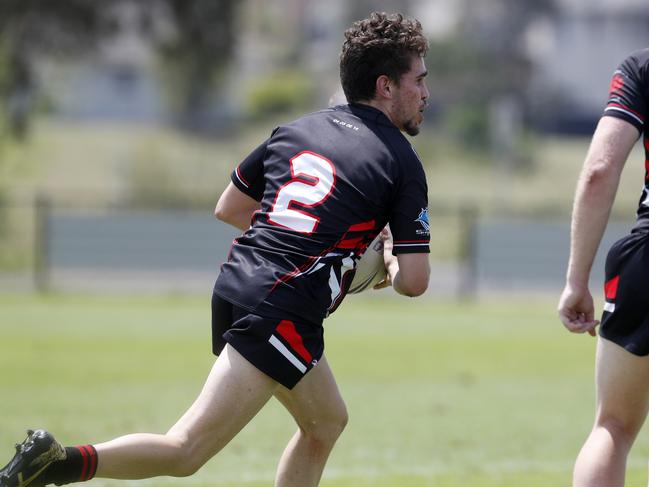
(380, 105)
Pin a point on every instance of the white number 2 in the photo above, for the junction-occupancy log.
(313, 178)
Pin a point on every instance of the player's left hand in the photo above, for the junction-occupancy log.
(386, 282)
(388, 258)
(576, 311)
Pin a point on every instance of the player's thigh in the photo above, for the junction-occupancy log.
(315, 402)
(233, 393)
(622, 386)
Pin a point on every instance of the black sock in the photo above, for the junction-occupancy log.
(80, 465)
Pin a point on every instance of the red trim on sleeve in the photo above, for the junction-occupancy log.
(240, 176)
(618, 105)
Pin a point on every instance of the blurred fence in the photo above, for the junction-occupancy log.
(55, 246)
(516, 254)
(128, 249)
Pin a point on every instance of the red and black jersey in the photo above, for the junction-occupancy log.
(629, 100)
(328, 183)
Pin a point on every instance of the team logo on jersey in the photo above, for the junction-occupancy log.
(423, 221)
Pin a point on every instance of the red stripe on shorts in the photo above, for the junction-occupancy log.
(610, 288)
(288, 332)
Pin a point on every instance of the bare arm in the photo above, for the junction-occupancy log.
(411, 275)
(407, 273)
(594, 197)
(235, 207)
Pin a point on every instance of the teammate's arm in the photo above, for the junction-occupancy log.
(235, 207)
(594, 197)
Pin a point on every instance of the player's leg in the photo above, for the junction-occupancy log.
(234, 392)
(321, 416)
(232, 395)
(622, 381)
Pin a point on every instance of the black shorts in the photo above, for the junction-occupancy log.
(284, 349)
(625, 319)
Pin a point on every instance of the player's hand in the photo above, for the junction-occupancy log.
(576, 310)
(388, 258)
(386, 282)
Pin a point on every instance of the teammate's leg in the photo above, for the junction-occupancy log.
(622, 381)
(321, 416)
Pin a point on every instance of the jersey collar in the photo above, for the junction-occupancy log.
(369, 113)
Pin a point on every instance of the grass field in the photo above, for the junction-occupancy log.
(439, 393)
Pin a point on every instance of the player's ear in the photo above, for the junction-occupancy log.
(384, 87)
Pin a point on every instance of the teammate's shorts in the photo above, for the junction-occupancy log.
(284, 349)
(625, 319)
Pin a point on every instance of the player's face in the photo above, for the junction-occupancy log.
(411, 97)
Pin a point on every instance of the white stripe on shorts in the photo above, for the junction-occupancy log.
(287, 353)
(610, 307)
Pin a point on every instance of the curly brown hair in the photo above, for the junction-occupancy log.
(382, 44)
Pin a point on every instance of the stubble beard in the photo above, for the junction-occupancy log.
(411, 127)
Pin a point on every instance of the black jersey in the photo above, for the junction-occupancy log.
(328, 183)
(628, 99)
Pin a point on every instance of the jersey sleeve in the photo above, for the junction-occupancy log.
(627, 97)
(409, 215)
(248, 176)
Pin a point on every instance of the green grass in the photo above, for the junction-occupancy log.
(439, 393)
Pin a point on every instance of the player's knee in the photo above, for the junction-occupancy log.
(188, 458)
(325, 431)
(620, 430)
(339, 422)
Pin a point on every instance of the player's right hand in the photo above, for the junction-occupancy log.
(577, 311)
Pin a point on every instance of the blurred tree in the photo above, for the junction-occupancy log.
(34, 29)
(501, 25)
(199, 53)
(481, 76)
(465, 79)
(285, 91)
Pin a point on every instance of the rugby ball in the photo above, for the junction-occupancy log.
(370, 269)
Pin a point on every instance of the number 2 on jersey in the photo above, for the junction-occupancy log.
(313, 178)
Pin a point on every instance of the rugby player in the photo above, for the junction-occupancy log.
(309, 200)
(622, 363)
